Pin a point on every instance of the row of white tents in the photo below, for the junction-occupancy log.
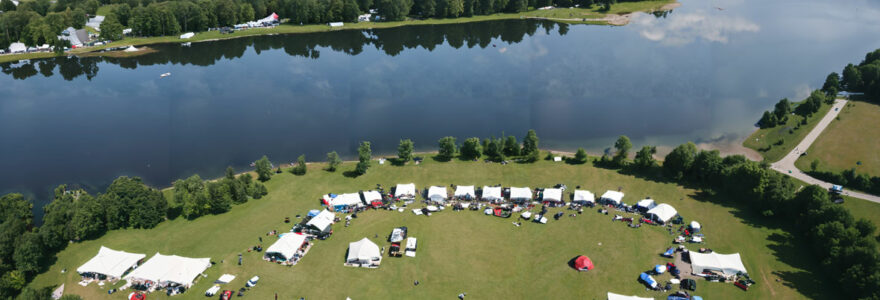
(160, 269)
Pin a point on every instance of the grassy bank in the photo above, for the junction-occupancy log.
(561, 13)
(465, 251)
(851, 138)
(766, 141)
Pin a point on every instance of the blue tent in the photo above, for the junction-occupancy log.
(669, 252)
(660, 269)
(696, 298)
(647, 279)
(314, 212)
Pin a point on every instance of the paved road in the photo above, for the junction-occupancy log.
(786, 164)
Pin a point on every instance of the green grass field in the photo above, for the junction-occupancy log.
(487, 257)
(850, 139)
(626, 7)
(763, 140)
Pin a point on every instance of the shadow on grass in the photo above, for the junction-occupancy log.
(809, 279)
(396, 161)
(439, 158)
(351, 174)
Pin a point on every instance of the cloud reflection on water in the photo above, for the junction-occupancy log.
(683, 29)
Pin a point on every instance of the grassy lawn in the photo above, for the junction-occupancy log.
(851, 138)
(595, 12)
(487, 257)
(292, 29)
(764, 140)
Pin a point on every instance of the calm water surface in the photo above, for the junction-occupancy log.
(698, 73)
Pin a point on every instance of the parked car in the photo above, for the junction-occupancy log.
(212, 291)
(689, 284)
(253, 281)
(397, 235)
(226, 295)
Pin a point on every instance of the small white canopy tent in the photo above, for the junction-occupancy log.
(613, 197)
(322, 221)
(363, 252)
(187, 35)
(663, 212)
(405, 191)
(552, 194)
(349, 199)
(729, 264)
(582, 196)
(165, 269)
(437, 193)
(287, 245)
(695, 226)
(491, 193)
(646, 204)
(465, 192)
(523, 193)
(371, 196)
(112, 263)
(17, 47)
(613, 296)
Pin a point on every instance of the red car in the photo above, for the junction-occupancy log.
(226, 295)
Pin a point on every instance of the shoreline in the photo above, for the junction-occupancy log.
(610, 18)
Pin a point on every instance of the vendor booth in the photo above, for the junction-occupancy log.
(465, 192)
(363, 253)
(169, 270)
(729, 264)
(491, 194)
(109, 264)
(288, 249)
(612, 197)
(662, 213)
(437, 194)
(583, 197)
(520, 194)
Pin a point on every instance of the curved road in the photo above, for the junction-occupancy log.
(786, 164)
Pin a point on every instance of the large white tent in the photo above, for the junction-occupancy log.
(646, 204)
(465, 192)
(287, 245)
(729, 264)
(437, 193)
(112, 263)
(363, 252)
(662, 212)
(491, 193)
(345, 200)
(371, 196)
(613, 197)
(582, 196)
(322, 221)
(405, 191)
(165, 269)
(552, 194)
(17, 47)
(613, 296)
(523, 193)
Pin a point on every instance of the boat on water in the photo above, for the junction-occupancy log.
(165, 75)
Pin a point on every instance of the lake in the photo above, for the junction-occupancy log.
(704, 72)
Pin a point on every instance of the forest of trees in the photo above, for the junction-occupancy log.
(74, 215)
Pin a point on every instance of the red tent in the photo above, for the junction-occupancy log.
(583, 263)
(137, 296)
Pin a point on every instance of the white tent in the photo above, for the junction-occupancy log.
(112, 263)
(437, 193)
(646, 204)
(371, 196)
(582, 196)
(17, 47)
(523, 193)
(405, 191)
(363, 252)
(271, 18)
(663, 212)
(613, 296)
(164, 269)
(348, 199)
(187, 35)
(552, 195)
(322, 221)
(491, 193)
(287, 245)
(465, 191)
(613, 197)
(695, 226)
(729, 264)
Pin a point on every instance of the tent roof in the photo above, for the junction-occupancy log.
(695, 225)
(346, 199)
(727, 263)
(491, 192)
(16, 47)
(646, 203)
(664, 212)
(520, 193)
(552, 194)
(323, 220)
(170, 268)
(371, 196)
(583, 262)
(614, 196)
(287, 245)
(464, 191)
(613, 296)
(437, 192)
(405, 190)
(364, 249)
(110, 262)
(582, 195)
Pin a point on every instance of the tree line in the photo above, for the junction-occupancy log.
(74, 215)
(861, 78)
(783, 109)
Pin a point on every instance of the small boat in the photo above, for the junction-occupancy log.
(164, 75)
